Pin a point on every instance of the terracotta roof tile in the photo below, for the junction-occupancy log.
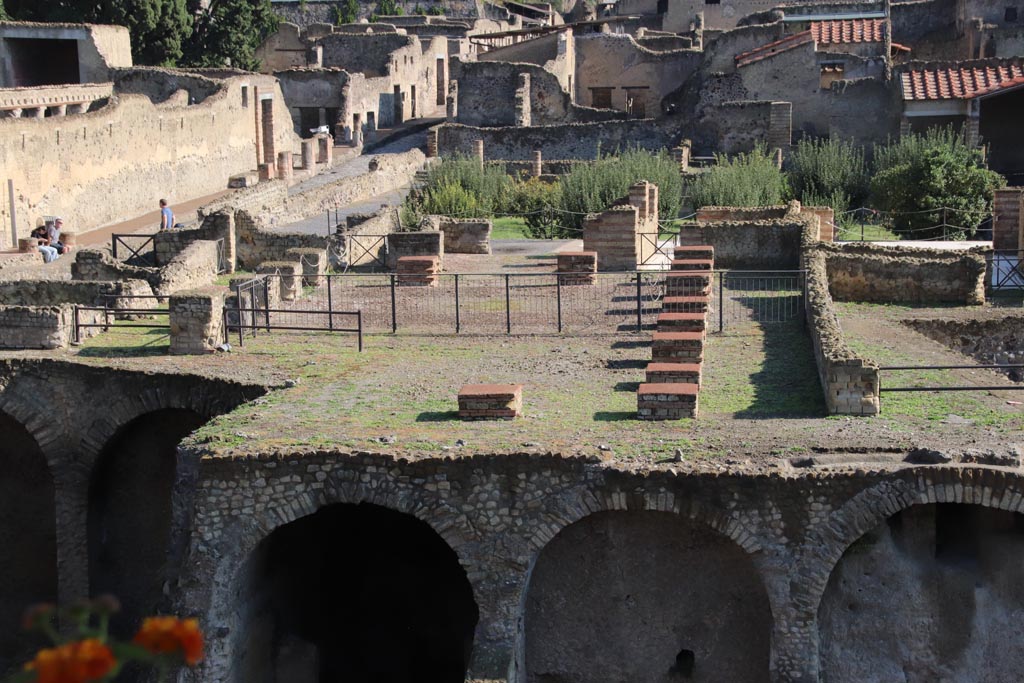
(848, 31)
(772, 49)
(959, 83)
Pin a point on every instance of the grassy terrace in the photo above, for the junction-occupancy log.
(760, 398)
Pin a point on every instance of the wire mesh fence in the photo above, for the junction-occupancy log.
(503, 303)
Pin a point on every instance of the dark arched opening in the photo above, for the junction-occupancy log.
(645, 596)
(130, 512)
(28, 536)
(933, 593)
(357, 593)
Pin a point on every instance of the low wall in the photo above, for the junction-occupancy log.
(414, 244)
(750, 244)
(993, 340)
(196, 321)
(462, 236)
(215, 225)
(255, 245)
(197, 265)
(57, 292)
(717, 214)
(42, 327)
(882, 274)
(566, 141)
(850, 382)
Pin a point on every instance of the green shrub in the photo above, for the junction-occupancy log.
(489, 185)
(935, 185)
(750, 179)
(828, 173)
(591, 188)
(451, 199)
(538, 202)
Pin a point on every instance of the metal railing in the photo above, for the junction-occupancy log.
(119, 246)
(1005, 271)
(506, 303)
(962, 387)
(252, 313)
(111, 310)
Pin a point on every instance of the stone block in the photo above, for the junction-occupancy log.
(677, 347)
(313, 262)
(685, 304)
(196, 322)
(687, 283)
(699, 252)
(417, 271)
(687, 265)
(490, 401)
(674, 373)
(666, 401)
(682, 322)
(577, 267)
(288, 275)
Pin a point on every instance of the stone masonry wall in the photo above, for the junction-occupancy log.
(1007, 223)
(43, 327)
(865, 272)
(498, 513)
(850, 383)
(197, 321)
(103, 166)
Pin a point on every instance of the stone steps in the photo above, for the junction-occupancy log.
(672, 387)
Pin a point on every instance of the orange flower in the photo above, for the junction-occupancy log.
(165, 635)
(79, 662)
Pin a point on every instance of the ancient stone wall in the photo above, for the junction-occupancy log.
(864, 272)
(487, 96)
(989, 340)
(196, 321)
(98, 48)
(500, 513)
(566, 141)
(415, 244)
(461, 235)
(616, 60)
(43, 327)
(256, 245)
(197, 265)
(104, 166)
(849, 382)
(750, 244)
(371, 55)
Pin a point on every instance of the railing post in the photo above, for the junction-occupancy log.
(394, 307)
(458, 319)
(558, 299)
(76, 334)
(113, 245)
(224, 324)
(238, 318)
(359, 323)
(266, 302)
(721, 301)
(508, 305)
(252, 308)
(330, 305)
(639, 303)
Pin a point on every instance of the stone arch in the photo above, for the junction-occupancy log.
(870, 515)
(617, 595)
(129, 510)
(356, 592)
(28, 530)
(207, 399)
(44, 417)
(664, 500)
(870, 507)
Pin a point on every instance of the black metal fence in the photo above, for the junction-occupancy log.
(116, 308)
(135, 247)
(505, 303)
(1005, 272)
(904, 369)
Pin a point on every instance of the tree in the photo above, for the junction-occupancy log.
(158, 28)
(3, 12)
(346, 13)
(935, 185)
(229, 32)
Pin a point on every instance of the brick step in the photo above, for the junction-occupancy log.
(685, 304)
(682, 322)
(687, 283)
(490, 401)
(674, 373)
(693, 264)
(666, 401)
(677, 347)
(701, 252)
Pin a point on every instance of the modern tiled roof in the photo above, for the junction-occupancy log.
(959, 83)
(848, 31)
(772, 49)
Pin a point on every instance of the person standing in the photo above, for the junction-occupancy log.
(166, 216)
